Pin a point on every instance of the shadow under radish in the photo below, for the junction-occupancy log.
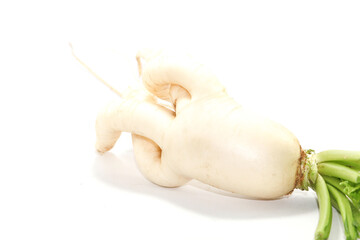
(121, 172)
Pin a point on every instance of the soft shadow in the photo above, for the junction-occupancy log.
(121, 172)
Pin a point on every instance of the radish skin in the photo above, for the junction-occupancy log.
(245, 154)
(211, 138)
(148, 159)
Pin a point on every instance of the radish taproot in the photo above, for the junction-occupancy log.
(206, 135)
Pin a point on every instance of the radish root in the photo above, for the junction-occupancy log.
(199, 132)
(92, 72)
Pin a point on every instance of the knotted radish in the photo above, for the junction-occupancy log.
(206, 135)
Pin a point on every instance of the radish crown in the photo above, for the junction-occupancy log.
(335, 177)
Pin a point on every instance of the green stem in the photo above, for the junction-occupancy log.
(333, 181)
(355, 166)
(356, 215)
(337, 184)
(354, 210)
(339, 171)
(325, 212)
(347, 157)
(345, 209)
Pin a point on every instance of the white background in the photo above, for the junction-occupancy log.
(297, 62)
